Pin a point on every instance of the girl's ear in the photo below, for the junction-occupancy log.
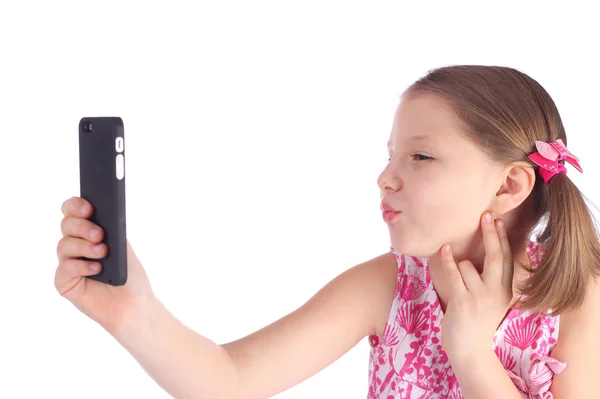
(518, 179)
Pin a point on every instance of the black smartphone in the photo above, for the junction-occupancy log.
(102, 183)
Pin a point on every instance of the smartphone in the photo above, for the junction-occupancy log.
(102, 183)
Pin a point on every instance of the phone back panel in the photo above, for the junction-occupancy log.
(102, 183)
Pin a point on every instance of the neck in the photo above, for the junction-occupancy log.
(474, 251)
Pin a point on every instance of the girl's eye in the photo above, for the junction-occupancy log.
(421, 157)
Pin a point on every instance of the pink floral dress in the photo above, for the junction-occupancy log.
(409, 362)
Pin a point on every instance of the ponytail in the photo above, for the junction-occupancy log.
(570, 249)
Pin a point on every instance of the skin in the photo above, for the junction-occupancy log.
(442, 202)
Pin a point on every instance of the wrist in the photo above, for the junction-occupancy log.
(135, 318)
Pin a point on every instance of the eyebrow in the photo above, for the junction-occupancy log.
(416, 138)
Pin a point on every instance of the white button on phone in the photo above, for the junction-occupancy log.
(119, 144)
(120, 167)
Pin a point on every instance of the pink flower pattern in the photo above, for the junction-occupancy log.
(408, 361)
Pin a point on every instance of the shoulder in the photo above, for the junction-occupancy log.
(366, 289)
(381, 274)
(385, 264)
(583, 322)
(578, 345)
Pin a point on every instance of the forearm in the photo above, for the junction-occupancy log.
(184, 363)
(484, 377)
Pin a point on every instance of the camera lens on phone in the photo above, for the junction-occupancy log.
(87, 127)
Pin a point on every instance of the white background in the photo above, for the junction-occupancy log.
(255, 134)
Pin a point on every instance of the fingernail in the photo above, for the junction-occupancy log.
(94, 232)
(447, 248)
(487, 217)
(94, 267)
(84, 208)
(97, 248)
(500, 224)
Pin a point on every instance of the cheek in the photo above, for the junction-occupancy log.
(450, 210)
(435, 194)
(466, 207)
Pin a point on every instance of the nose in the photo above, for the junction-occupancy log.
(389, 181)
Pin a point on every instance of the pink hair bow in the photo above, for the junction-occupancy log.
(548, 155)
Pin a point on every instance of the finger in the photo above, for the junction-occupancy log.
(71, 247)
(457, 284)
(509, 268)
(76, 267)
(71, 269)
(77, 206)
(493, 263)
(470, 276)
(82, 228)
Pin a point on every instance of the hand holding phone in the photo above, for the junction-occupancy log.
(98, 270)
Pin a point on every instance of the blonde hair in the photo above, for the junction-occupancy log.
(505, 112)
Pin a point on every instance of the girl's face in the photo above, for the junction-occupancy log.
(440, 181)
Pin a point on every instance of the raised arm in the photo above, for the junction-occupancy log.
(189, 366)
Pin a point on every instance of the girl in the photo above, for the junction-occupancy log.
(464, 305)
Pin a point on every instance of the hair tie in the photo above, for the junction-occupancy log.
(547, 157)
